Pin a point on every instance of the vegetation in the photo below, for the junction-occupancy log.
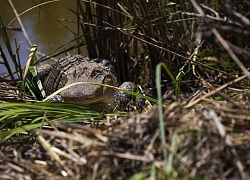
(190, 56)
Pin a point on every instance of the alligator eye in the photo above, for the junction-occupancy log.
(98, 90)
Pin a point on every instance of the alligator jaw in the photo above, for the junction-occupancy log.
(92, 102)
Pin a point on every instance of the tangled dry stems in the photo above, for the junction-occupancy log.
(211, 141)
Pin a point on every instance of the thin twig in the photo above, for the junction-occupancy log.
(228, 141)
(215, 91)
(164, 49)
(221, 40)
(20, 22)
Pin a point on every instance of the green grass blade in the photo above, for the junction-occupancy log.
(161, 119)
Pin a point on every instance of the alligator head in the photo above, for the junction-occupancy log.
(88, 92)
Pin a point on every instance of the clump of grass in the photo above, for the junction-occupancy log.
(19, 118)
(134, 39)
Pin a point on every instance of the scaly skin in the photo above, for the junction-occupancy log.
(75, 68)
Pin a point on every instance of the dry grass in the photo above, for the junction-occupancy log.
(209, 141)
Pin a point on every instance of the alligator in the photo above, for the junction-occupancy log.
(76, 68)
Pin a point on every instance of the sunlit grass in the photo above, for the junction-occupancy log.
(16, 118)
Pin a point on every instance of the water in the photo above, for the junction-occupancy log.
(42, 27)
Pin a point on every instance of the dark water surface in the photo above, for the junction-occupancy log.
(42, 27)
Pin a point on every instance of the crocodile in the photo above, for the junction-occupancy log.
(76, 68)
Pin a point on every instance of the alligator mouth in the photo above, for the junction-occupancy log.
(85, 101)
(92, 102)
